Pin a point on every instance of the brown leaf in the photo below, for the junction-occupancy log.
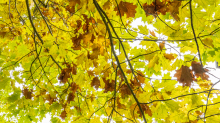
(96, 83)
(129, 71)
(109, 86)
(63, 115)
(50, 99)
(146, 110)
(174, 9)
(71, 6)
(77, 26)
(152, 33)
(169, 56)
(120, 106)
(124, 90)
(151, 9)
(198, 112)
(77, 108)
(70, 97)
(119, 73)
(169, 92)
(90, 73)
(163, 7)
(95, 53)
(126, 8)
(27, 93)
(93, 38)
(95, 63)
(134, 83)
(65, 73)
(107, 5)
(199, 72)
(76, 42)
(86, 25)
(161, 45)
(184, 75)
(45, 11)
(74, 69)
(140, 77)
(74, 87)
(3, 34)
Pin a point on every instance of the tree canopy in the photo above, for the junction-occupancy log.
(78, 60)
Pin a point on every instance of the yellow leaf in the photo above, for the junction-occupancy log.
(153, 61)
(143, 29)
(169, 56)
(54, 51)
(208, 42)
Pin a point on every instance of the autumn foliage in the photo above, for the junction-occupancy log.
(86, 61)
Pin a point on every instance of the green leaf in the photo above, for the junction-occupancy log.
(55, 120)
(196, 100)
(143, 29)
(22, 50)
(14, 97)
(4, 81)
(161, 111)
(172, 105)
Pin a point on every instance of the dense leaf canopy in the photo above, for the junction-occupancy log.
(83, 61)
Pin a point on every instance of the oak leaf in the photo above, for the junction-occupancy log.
(120, 106)
(173, 8)
(157, 7)
(27, 93)
(184, 75)
(109, 86)
(199, 71)
(107, 4)
(198, 112)
(169, 56)
(50, 99)
(3, 34)
(119, 73)
(74, 87)
(124, 91)
(90, 73)
(152, 33)
(72, 4)
(153, 61)
(63, 115)
(95, 53)
(77, 108)
(140, 77)
(76, 42)
(153, 9)
(134, 83)
(65, 73)
(208, 42)
(146, 110)
(161, 45)
(70, 97)
(126, 8)
(86, 26)
(95, 83)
